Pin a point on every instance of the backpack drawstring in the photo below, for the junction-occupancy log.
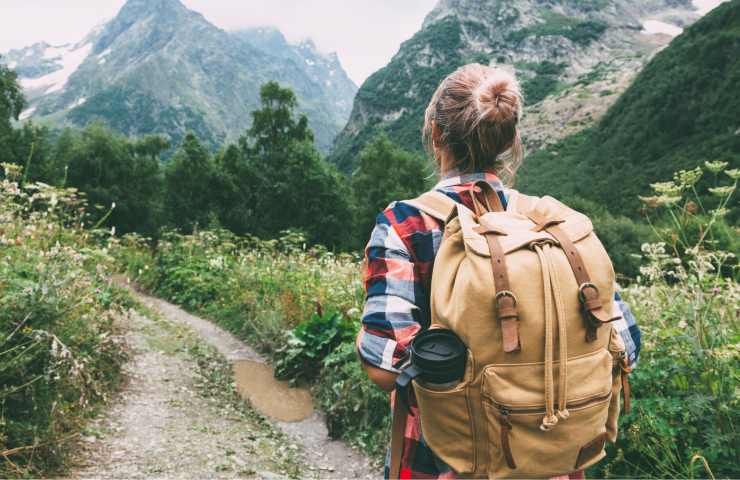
(563, 412)
(552, 289)
(550, 419)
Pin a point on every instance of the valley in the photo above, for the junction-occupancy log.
(234, 177)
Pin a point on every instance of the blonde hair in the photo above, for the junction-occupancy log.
(477, 111)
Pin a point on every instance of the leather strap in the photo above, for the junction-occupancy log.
(492, 200)
(593, 310)
(505, 445)
(398, 430)
(506, 310)
(625, 371)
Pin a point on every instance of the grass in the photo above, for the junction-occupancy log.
(60, 345)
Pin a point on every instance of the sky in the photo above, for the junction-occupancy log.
(364, 33)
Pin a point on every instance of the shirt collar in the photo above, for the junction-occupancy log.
(453, 178)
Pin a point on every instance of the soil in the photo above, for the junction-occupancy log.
(170, 422)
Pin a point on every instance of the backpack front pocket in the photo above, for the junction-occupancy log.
(447, 422)
(514, 405)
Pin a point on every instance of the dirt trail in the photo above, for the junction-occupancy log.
(162, 424)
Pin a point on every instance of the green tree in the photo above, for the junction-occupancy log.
(191, 180)
(281, 179)
(274, 125)
(386, 173)
(110, 169)
(11, 100)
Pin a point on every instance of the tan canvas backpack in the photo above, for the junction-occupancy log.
(524, 289)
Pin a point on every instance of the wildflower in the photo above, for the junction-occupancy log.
(668, 200)
(734, 173)
(651, 202)
(715, 167)
(666, 188)
(722, 191)
(687, 178)
(719, 212)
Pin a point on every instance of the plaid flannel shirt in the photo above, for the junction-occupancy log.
(399, 260)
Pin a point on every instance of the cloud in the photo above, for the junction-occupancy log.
(364, 33)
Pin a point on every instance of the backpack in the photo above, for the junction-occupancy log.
(523, 288)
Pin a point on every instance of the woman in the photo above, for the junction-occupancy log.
(471, 130)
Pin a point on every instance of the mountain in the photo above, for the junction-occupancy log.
(158, 67)
(681, 111)
(584, 52)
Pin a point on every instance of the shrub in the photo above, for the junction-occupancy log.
(307, 345)
(686, 418)
(355, 408)
(60, 349)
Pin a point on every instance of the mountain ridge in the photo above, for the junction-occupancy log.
(550, 44)
(680, 112)
(158, 67)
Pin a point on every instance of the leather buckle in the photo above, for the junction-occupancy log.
(506, 293)
(582, 295)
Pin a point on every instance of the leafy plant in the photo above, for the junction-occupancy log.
(355, 408)
(307, 345)
(60, 345)
(685, 386)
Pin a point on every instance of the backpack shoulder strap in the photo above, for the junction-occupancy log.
(435, 204)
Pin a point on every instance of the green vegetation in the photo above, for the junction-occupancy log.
(687, 409)
(302, 306)
(545, 80)
(131, 190)
(386, 173)
(680, 112)
(299, 306)
(60, 353)
(578, 31)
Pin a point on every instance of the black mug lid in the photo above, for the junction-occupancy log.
(440, 355)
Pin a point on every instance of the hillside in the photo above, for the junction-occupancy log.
(681, 111)
(584, 51)
(158, 67)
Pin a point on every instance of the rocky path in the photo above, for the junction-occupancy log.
(179, 415)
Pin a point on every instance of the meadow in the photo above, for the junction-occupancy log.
(300, 305)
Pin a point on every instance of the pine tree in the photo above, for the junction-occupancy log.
(191, 178)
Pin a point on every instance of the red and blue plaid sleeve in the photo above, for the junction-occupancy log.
(627, 327)
(396, 281)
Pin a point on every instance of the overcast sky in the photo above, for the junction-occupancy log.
(365, 33)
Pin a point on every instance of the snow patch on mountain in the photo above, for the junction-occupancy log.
(656, 26)
(70, 61)
(27, 113)
(53, 53)
(78, 102)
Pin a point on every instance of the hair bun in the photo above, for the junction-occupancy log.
(499, 97)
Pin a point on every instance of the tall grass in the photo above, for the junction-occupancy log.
(60, 349)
